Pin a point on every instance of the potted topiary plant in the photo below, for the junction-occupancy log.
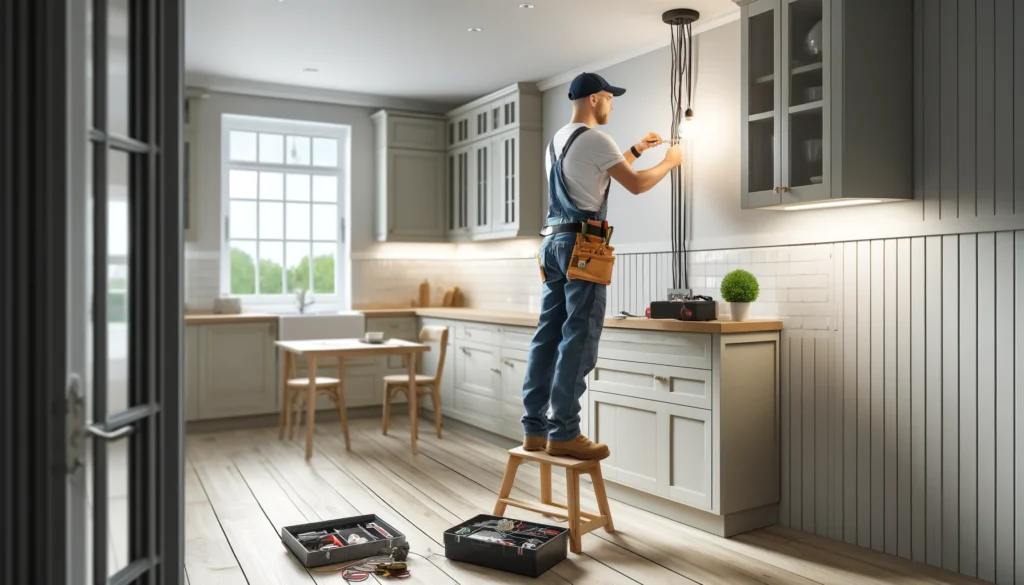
(739, 289)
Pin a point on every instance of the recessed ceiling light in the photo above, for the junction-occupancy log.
(521, 5)
(475, 29)
(310, 70)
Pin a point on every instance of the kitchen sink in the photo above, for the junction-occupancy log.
(321, 325)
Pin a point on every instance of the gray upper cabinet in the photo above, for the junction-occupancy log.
(495, 170)
(410, 169)
(827, 102)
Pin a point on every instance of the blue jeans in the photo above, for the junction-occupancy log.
(564, 349)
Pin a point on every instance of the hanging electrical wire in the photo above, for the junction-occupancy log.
(681, 89)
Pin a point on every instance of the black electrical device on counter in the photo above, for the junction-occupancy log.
(699, 308)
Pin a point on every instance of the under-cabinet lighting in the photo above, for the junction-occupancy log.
(824, 204)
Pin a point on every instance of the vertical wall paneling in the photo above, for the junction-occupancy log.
(836, 394)
(796, 404)
(967, 406)
(785, 394)
(891, 445)
(986, 421)
(1004, 356)
(932, 99)
(904, 466)
(1004, 47)
(967, 101)
(1018, 345)
(864, 394)
(918, 398)
(949, 107)
(950, 402)
(985, 87)
(808, 433)
(877, 375)
(933, 399)
(821, 429)
(851, 497)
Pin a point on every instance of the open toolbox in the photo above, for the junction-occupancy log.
(337, 541)
(506, 544)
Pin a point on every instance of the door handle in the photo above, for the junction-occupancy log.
(660, 378)
(108, 435)
(496, 370)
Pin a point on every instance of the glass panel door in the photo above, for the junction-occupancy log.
(762, 70)
(806, 52)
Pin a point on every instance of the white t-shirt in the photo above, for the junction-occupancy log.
(586, 164)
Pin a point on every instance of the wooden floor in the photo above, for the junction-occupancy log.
(243, 486)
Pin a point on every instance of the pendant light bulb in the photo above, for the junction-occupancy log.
(688, 127)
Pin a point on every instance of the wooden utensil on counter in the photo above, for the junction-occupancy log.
(425, 294)
(448, 298)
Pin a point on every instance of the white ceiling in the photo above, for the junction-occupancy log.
(420, 49)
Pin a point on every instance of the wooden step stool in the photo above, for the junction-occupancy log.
(571, 512)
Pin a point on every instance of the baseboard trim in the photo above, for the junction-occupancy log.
(726, 526)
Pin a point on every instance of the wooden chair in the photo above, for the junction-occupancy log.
(580, 522)
(297, 392)
(426, 385)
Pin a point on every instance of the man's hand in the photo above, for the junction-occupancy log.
(674, 155)
(651, 140)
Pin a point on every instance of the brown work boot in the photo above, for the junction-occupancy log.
(579, 448)
(535, 443)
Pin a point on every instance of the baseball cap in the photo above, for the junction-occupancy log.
(587, 84)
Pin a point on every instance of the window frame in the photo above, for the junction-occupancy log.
(341, 298)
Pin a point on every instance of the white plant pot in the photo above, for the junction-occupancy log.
(740, 311)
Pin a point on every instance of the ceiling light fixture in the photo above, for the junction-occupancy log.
(526, 5)
(475, 29)
(310, 70)
(681, 22)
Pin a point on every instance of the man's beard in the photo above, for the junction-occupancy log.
(602, 118)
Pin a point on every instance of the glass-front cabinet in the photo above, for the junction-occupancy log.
(796, 124)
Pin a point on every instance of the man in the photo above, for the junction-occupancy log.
(581, 162)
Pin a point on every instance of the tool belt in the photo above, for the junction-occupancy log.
(591, 228)
(592, 258)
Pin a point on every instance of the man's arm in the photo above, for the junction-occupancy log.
(637, 182)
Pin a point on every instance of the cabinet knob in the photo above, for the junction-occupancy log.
(660, 378)
(508, 363)
(496, 370)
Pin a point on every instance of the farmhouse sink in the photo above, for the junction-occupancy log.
(321, 325)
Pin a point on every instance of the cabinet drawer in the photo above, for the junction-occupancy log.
(480, 406)
(682, 386)
(685, 350)
(513, 375)
(477, 332)
(403, 328)
(517, 337)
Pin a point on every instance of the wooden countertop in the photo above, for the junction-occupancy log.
(518, 319)
(214, 319)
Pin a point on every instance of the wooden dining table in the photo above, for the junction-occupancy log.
(319, 351)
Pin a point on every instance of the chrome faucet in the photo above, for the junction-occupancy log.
(300, 300)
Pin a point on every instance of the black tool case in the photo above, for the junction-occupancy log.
(518, 555)
(380, 544)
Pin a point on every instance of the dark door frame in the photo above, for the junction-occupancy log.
(34, 317)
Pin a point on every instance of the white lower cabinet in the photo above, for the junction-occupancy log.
(513, 375)
(237, 369)
(192, 372)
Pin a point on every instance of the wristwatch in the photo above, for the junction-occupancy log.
(635, 152)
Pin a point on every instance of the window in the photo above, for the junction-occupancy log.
(284, 189)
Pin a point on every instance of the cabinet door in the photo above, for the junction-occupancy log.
(513, 375)
(481, 187)
(237, 370)
(806, 56)
(415, 187)
(192, 358)
(477, 369)
(685, 464)
(415, 133)
(506, 194)
(631, 429)
(761, 103)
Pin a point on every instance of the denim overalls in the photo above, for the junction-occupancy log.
(564, 348)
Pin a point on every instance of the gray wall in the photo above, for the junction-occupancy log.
(902, 429)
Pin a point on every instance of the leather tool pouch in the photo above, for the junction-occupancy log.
(592, 259)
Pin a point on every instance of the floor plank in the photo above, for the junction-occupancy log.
(244, 485)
